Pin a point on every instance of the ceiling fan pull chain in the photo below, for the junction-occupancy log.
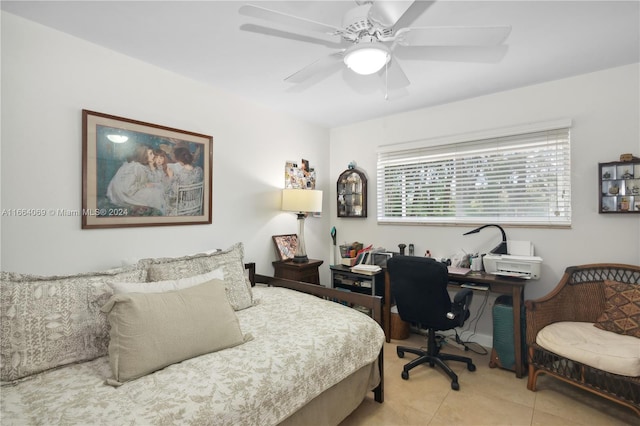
(386, 81)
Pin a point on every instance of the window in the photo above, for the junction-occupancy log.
(512, 176)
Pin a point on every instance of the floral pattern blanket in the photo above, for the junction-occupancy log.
(301, 346)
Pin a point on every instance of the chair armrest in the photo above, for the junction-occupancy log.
(556, 306)
(461, 304)
(540, 313)
(463, 297)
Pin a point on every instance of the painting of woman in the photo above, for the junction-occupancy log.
(134, 184)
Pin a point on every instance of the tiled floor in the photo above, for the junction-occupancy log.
(487, 396)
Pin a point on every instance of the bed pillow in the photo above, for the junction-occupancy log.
(168, 285)
(52, 321)
(230, 261)
(150, 331)
(622, 309)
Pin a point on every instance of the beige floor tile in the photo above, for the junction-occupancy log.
(540, 418)
(391, 415)
(578, 406)
(480, 409)
(496, 382)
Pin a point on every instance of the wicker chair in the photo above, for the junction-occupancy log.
(579, 296)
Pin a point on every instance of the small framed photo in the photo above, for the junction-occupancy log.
(143, 174)
(286, 245)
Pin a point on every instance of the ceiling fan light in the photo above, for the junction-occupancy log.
(367, 59)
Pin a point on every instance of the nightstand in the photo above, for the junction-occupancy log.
(289, 270)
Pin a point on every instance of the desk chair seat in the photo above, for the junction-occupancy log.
(419, 287)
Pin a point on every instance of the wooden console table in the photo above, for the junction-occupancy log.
(513, 287)
(306, 272)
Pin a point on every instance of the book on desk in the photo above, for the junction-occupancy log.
(462, 272)
(456, 270)
(366, 269)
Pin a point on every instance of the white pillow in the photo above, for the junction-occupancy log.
(168, 285)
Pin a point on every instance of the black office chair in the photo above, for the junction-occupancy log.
(419, 286)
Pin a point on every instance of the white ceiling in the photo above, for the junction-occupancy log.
(211, 42)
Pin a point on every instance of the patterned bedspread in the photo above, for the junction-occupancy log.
(301, 346)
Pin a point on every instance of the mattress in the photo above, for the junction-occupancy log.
(302, 345)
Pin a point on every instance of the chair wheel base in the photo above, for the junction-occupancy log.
(455, 386)
(405, 375)
(471, 367)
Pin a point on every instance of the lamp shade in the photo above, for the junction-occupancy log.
(302, 200)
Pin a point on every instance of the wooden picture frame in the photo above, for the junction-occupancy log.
(286, 245)
(142, 174)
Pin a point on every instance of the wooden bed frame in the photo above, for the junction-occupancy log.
(372, 303)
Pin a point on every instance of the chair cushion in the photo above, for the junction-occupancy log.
(584, 343)
(622, 309)
(150, 331)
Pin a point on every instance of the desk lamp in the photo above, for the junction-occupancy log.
(500, 248)
(301, 201)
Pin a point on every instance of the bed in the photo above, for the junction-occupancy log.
(308, 360)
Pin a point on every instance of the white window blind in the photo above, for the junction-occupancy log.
(519, 178)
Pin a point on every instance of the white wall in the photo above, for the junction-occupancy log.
(48, 77)
(604, 107)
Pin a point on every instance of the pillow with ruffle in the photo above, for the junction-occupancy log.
(49, 321)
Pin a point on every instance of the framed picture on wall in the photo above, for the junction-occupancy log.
(299, 175)
(286, 245)
(143, 174)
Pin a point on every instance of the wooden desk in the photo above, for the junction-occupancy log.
(513, 287)
(306, 272)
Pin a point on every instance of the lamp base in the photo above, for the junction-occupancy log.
(300, 259)
(500, 248)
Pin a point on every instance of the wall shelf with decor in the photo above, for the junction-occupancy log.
(619, 184)
(352, 193)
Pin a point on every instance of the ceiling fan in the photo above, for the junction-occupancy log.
(369, 28)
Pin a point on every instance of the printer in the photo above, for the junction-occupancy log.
(510, 258)
(527, 267)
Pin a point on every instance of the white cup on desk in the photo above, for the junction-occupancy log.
(476, 263)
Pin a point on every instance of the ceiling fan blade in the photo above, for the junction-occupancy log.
(452, 36)
(286, 19)
(387, 13)
(259, 29)
(393, 76)
(477, 54)
(327, 64)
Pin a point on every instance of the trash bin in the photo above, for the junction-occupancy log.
(503, 352)
(399, 328)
